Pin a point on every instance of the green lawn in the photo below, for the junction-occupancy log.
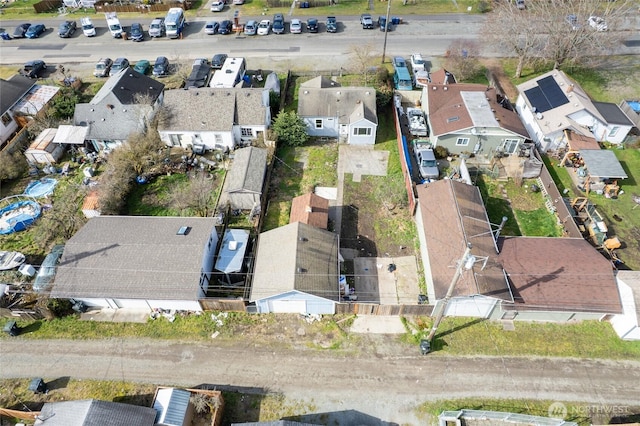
(153, 199)
(628, 228)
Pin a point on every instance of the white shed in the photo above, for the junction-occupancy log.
(44, 150)
(173, 407)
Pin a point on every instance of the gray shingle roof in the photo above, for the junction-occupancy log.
(127, 86)
(612, 113)
(91, 412)
(339, 102)
(213, 109)
(296, 257)
(134, 257)
(12, 90)
(247, 171)
(602, 163)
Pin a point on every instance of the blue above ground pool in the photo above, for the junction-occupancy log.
(18, 215)
(40, 188)
(635, 105)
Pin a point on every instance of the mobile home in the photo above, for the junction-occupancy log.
(230, 75)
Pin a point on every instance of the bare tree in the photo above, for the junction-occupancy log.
(64, 218)
(508, 30)
(362, 57)
(198, 194)
(557, 31)
(462, 59)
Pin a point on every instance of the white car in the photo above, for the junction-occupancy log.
(264, 27)
(417, 63)
(217, 5)
(87, 27)
(295, 26)
(597, 23)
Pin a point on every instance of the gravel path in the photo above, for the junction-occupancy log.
(385, 387)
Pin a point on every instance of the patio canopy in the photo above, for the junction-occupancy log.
(71, 134)
(602, 164)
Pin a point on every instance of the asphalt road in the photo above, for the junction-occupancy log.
(382, 386)
(430, 35)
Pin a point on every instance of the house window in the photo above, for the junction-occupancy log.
(319, 123)
(612, 132)
(175, 140)
(6, 119)
(510, 145)
(462, 142)
(246, 132)
(362, 131)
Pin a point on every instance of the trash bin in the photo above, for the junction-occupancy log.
(11, 328)
(124, 35)
(38, 385)
(425, 346)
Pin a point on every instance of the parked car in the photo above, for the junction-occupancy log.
(226, 27)
(33, 69)
(367, 21)
(217, 5)
(295, 27)
(312, 25)
(597, 23)
(136, 33)
(35, 31)
(103, 67)
(383, 24)
(218, 61)
(250, 28)
(118, 65)
(211, 27)
(87, 27)
(67, 28)
(156, 28)
(572, 20)
(161, 67)
(417, 63)
(278, 23)
(21, 30)
(399, 62)
(426, 160)
(142, 66)
(200, 71)
(238, 2)
(520, 4)
(332, 24)
(264, 27)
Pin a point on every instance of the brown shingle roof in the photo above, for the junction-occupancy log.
(310, 209)
(448, 112)
(577, 141)
(453, 215)
(565, 274)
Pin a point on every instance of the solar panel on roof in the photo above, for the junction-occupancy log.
(537, 99)
(552, 92)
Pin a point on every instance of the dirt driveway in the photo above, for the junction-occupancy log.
(385, 388)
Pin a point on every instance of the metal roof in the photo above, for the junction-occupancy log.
(172, 405)
(90, 412)
(232, 251)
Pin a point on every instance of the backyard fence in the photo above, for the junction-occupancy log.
(374, 309)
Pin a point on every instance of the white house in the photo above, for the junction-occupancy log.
(552, 103)
(12, 91)
(627, 324)
(215, 118)
(126, 104)
(296, 270)
(332, 111)
(138, 262)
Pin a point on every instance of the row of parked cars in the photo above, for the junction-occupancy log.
(107, 67)
(278, 26)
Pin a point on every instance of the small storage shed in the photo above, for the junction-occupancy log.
(173, 407)
(44, 150)
(90, 207)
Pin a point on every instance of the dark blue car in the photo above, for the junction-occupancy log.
(35, 30)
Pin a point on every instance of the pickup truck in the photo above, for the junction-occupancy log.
(417, 122)
(200, 71)
(332, 24)
(367, 21)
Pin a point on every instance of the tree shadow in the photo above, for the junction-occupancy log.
(343, 418)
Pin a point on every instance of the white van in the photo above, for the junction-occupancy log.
(114, 24)
(87, 27)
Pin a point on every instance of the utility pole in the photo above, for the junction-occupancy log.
(465, 263)
(386, 30)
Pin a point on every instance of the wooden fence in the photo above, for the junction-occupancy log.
(310, 3)
(231, 305)
(47, 5)
(408, 182)
(393, 310)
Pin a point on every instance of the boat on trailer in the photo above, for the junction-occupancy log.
(10, 260)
